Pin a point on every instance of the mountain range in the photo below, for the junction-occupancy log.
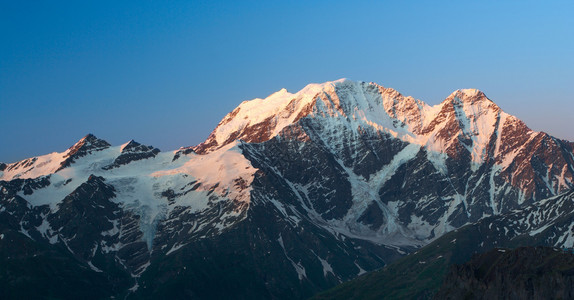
(289, 195)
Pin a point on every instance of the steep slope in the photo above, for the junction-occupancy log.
(432, 168)
(54, 162)
(33, 269)
(421, 274)
(289, 195)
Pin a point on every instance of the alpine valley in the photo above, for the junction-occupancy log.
(289, 196)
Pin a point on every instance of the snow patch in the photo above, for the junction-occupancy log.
(175, 248)
(326, 267)
(297, 266)
(225, 170)
(361, 270)
(134, 288)
(94, 268)
(539, 230)
(47, 232)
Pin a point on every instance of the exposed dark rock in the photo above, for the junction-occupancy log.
(21, 164)
(87, 221)
(32, 269)
(182, 151)
(373, 216)
(84, 214)
(85, 146)
(133, 151)
(27, 186)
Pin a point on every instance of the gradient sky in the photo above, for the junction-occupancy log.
(165, 72)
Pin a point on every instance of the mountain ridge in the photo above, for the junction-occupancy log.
(292, 107)
(466, 122)
(360, 173)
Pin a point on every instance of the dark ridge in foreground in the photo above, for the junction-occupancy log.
(522, 273)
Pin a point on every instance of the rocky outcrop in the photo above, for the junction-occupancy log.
(133, 151)
(85, 146)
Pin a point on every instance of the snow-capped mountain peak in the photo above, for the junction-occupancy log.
(51, 163)
(89, 142)
(258, 120)
(322, 184)
(465, 94)
(362, 105)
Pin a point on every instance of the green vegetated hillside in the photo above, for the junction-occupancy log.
(418, 275)
(421, 274)
(521, 273)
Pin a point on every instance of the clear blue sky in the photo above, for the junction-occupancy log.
(165, 72)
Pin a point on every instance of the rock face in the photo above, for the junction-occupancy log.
(288, 196)
(85, 146)
(522, 273)
(133, 151)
